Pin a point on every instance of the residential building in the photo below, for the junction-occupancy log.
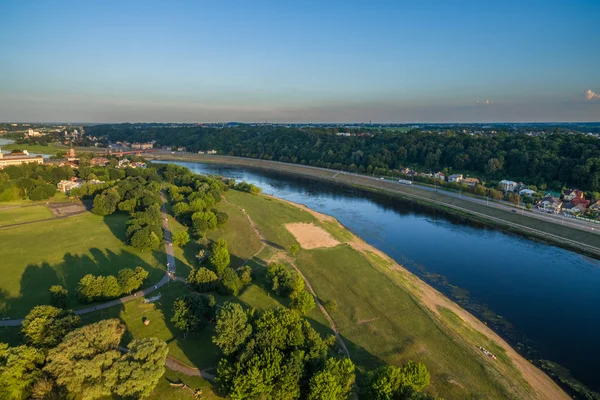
(101, 161)
(141, 146)
(71, 153)
(576, 196)
(455, 178)
(440, 175)
(405, 170)
(573, 208)
(595, 207)
(32, 133)
(67, 186)
(552, 204)
(181, 148)
(508, 186)
(471, 181)
(526, 192)
(18, 159)
(211, 152)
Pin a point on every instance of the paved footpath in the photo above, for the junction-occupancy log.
(165, 279)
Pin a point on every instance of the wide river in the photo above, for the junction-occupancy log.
(545, 300)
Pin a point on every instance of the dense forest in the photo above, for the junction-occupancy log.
(553, 160)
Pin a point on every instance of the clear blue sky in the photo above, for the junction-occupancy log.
(386, 61)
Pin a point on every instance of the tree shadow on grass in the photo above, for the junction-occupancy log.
(37, 279)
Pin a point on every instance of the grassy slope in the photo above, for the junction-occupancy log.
(58, 197)
(24, 214)
(39, 255)
(377, 316)
(51, 149)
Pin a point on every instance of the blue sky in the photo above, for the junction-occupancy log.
(386, 61)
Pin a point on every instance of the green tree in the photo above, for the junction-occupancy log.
(110, 287)
(302, 302)
(20, 368)
(84, 361)
(130, 280)
(192, 313)
(245, 274)
(390, 382)
(232, 327)
(59, 296)
(140, 369)
(145, 239)
(45, 326)
(294, 249)
(181, 238)
(203, 279)
(90, 288)
(334, 381)
(495, 194)
(230, 283)
(219, 257)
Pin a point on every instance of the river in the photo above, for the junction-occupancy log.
(545, 300)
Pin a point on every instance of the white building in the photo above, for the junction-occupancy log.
(508, 186)
(455, 178)
(527, 192)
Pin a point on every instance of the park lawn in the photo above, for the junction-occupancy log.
(58, 197)
(270, 216)
(60, 252)
(164, 390)
(18, 215)
(242, 241)
(51, 149)
(378, 317)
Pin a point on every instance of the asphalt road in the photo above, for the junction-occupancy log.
(165, 279)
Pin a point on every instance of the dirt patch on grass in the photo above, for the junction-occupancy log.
(311, 236)
(66, 209)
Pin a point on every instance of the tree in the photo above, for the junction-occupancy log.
(130, 280)
(245, 274)
(390, 382)
(20, 368)
(495, 194)
(90, 288)
(334, 381)
(230, 283)
(110, 287)
(84, 361)
(204, 280)
(232, 328)
(192, 313)
(181, 238)
(302, 302)
(222, 218)
(283, 281)
(59, 296)
(46, 326)
(140, 369)
(513, 198)
(145, 239)
(219, 258)
(294, 249)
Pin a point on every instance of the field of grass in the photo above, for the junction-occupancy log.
(379, 317)
(58, 197)
(51, 149)
(164, 390)
(24, 214)
(61, 251)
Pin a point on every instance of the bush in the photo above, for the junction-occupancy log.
(58, 296)
(302, 301)
(330, 305)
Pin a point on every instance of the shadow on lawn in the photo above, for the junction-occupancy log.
(37, 279)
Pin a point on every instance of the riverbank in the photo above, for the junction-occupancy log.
(465, 327)
(571, 235)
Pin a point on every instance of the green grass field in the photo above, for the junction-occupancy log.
(379, 317)
(38, 255)
(51, 149)
(18, 215)
(58, 197)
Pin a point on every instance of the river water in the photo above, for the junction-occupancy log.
(545, 300)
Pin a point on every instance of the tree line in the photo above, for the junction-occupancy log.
(554, 159)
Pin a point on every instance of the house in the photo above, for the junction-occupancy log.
(68, 164)
(181, 148)
(440, 175)
(405, 171)
(101, 161)
(526, 192)
(508, 186)
(67, 186)
(412, 173)
(573, 208)
(138, 164)
(571, 194)
(551, 204)
(595, 207)
(141, 146)
(471, 181)
(455, 178)
(211, 152)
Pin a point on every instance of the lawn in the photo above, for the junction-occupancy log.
(58, 197)
(378, 317)
(51, 149)
(168, 387)
(24, 214)
(61, 251)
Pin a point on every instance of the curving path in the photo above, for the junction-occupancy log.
(165, 279)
